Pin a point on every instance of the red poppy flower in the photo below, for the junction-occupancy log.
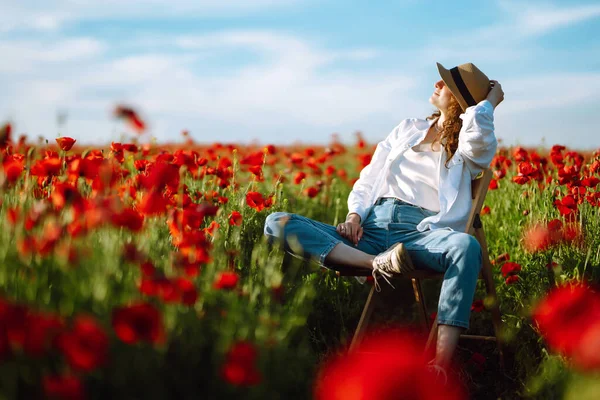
(257, 171)
(364, 160)
(493, 184)
(311, 192)
(510, 268)
(253, 159)
(13, 170)
(590, 182)
(226, 280)
(569, 319)
(299, 176)
(188, 291)
(477, 306)
(212, 228)
(41, 332)
(520, 154)
(512, 279)
(65, 143)
(485, 210)
(255, 200)
(131, 117)
(85, 345)
(537, 238)
(128, 218)
(152, 203)
(567, 205)
(389, 365)
(138, 323)
(240, 365)
(271, 149)
(235, 218)
(63, 387)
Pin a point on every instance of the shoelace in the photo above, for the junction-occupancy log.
(384, 274)
(438, 370)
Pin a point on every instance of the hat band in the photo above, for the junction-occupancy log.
(462, 88)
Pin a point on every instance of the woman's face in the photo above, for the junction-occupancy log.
(442, 96)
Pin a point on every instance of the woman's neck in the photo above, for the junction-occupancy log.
(440, 121)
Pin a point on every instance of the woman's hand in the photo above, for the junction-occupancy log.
(495, 95)
(351, 229)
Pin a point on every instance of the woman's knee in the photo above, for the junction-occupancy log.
(465, 245)
(274, 224)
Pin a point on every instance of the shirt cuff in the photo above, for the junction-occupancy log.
(360, 212)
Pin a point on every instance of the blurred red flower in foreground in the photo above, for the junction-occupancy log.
(65, 143)
(389, 365)
(63, 387)
(569, 319)
(240, 365)
(226, 280)
(540, 236)
(85, 345)
(138, 323)
(130, 116)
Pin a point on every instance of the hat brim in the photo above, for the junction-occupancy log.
(449, 81)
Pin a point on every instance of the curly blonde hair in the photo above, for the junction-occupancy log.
(448, 136)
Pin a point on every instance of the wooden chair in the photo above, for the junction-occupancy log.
(474, 227)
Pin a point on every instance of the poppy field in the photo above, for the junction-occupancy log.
(141, 270)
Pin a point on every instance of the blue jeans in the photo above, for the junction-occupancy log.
(390, 221)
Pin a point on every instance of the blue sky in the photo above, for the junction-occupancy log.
(280, 71)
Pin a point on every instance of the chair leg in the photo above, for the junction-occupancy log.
(490, 288)
(364, 319)
(420, 299)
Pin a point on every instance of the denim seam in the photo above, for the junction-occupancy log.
(325, 233)
(454, 322)
(327, 250)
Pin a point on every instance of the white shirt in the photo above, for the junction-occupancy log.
(414, 177)
(476, 147)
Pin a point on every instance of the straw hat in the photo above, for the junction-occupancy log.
(467, 83)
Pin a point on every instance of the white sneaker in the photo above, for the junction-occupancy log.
(394, 260)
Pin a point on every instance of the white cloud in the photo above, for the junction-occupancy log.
(557, 90)
(541, 18)
(294, 82)
(51, 15)
(20, 56)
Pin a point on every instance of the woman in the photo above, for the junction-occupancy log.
(415, 197)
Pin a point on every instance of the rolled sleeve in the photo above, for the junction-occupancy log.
(476, 141)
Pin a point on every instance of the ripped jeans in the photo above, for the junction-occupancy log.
(387, 222)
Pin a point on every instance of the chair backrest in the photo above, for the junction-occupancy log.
(479, 188)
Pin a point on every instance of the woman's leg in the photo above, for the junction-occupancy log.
(458, 255)
(342, 254)
(309, 238)
(447, 340)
